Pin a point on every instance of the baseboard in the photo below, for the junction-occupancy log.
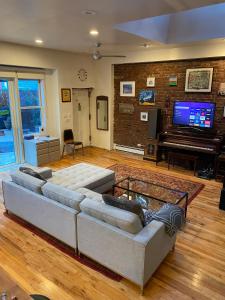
(129, 149)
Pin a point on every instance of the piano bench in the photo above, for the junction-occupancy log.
(173, 156)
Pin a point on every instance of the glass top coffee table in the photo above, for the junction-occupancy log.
(150, 195)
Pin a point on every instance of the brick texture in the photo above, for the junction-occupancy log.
(128, 129)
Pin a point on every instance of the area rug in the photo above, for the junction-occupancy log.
(65, 249)
(172, 182)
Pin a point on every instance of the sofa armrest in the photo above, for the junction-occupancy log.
(148, 232)
(156, 244)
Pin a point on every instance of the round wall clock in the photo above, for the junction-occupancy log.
(82, 74)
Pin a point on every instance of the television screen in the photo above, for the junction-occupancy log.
(194, 114)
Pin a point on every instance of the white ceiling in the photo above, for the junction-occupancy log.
(198, 24)
(61, 24)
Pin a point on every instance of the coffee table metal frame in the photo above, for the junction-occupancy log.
(130, 190)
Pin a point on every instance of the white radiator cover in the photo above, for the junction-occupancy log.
(129, 149)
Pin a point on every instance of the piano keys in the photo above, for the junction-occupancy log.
(203, 143)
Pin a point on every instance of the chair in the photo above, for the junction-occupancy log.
(69, 141)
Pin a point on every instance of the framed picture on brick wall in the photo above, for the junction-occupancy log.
(150, 82)
(127, 88)
(147, 97)
(144, 116)
(199, 80)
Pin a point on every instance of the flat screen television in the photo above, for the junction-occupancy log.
(194, 114)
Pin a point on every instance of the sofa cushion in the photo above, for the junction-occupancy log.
(82, 175)
(31, 172)
(63, 195)
(114, 216)
(29, 182)
(125, 204)
(90, 194)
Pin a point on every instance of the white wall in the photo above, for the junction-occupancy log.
(63, 68)
(103, 87)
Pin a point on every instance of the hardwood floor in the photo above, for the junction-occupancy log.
(195, 270)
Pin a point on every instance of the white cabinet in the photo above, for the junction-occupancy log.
(42, 150)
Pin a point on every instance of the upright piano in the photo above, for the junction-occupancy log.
(209, 143)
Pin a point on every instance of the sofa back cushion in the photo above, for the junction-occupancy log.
(125, 204)
(63, 195)
(29, 182)
(117, 217)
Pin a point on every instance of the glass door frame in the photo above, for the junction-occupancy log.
(15, 109)
(10, 77)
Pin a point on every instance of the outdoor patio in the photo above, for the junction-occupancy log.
(7, 155)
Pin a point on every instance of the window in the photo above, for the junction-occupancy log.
(31, 105)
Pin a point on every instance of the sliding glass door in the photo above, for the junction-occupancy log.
(7, 149)
(22, 112)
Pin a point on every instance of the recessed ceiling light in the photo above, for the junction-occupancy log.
(88, 12)
(94, 32)
(38, 41)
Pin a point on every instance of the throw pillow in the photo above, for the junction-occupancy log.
(149, 216)
(31, 172)
(125, 204)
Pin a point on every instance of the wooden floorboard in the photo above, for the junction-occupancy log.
(195, 270)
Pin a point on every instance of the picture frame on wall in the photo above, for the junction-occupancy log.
(147, 97)
(173, 80)
(144, 116)
(221, 91)
(199, 80)
(126, 108)
(150, 82)
(127, 88)
(66, 95)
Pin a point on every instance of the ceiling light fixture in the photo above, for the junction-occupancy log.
(88, 12)
(38, 41)
(94, 32)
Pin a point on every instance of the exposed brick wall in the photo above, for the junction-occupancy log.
(128, 129)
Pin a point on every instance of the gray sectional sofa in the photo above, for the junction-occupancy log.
(70, 208)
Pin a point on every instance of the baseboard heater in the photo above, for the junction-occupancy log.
(129, 149)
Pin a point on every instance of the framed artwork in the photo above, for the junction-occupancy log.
(147, 97)
(199, 80)
(126, 108)
(221, 91)
(66, 95)
(127, 88)
(151, 81)
(144, 116)
(173, 80)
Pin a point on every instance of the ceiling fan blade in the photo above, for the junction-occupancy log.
(113, 56)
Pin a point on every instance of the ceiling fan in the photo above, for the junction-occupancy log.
(96, 55)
